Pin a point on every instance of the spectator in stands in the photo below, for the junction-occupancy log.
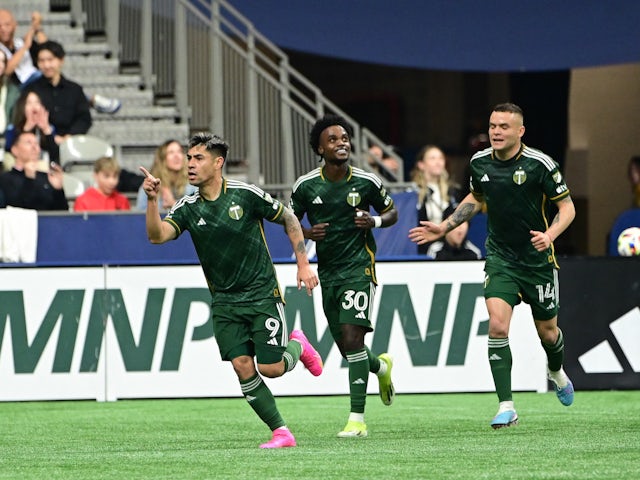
(21, 52)
(387, 167)
(634, 180)
(104, 195)
(64, 99)
(30, 116)
(170, 166)
(516, 182)
(224, 220)
(455, 245)
(337, 199)
(9, 94)
(435, 191)
(24, 186)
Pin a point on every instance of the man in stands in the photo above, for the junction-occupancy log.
(24, 186)
(63, 98)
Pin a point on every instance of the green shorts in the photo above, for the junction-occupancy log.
(538, 288)
(349, 304)
(258, 329)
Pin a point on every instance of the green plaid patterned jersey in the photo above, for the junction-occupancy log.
(517, 194)
(347, 253)
(228, 236)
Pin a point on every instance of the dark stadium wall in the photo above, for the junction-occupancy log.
(604, 114)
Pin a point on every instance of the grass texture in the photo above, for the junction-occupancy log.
(430, 436)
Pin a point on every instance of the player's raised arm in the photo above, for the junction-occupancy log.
(429, 231)
(157, 230)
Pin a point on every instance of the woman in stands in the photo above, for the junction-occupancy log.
(30, 115)
(170, 166)
(435, 191)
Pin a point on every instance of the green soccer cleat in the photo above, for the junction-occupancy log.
(387, 392)
(354, 429)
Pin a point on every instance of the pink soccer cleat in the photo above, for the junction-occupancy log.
(310, 357)
(281, 438)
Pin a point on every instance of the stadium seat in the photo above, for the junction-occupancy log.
(78, 154)
(84, 148)
(73, 186)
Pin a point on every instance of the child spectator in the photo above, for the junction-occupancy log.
(104, 196)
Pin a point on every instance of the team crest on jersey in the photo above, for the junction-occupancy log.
(519, 176)
(236, 212)
(353, 198)
(557, 177)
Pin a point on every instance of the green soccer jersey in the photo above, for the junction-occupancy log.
(347, 253)
(229, 239)
(517, 193)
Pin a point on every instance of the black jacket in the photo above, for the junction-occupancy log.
(33, 193)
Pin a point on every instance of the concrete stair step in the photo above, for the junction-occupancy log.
(22, 9)
(96, 83)
(77, 67)
(138, 133)
(128, 112)
(97, 51)
(131, 97)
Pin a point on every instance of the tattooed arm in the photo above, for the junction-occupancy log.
(293, 230)
(566, 213)
(429, 231)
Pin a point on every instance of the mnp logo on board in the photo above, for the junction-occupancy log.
(133, 332)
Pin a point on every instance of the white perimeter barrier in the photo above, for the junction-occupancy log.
(145, 332)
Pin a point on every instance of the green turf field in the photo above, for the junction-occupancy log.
(443, 436)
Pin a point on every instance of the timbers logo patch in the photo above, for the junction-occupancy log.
(236, 212)
(519, 176)
(353, 198)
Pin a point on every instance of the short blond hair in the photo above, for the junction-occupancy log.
(106, 164)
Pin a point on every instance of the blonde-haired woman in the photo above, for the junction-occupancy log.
(435, 190)
(170, 166)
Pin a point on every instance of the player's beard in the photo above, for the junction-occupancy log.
(337, 161)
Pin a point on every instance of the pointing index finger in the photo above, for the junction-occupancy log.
(146, 172)
(148, 175)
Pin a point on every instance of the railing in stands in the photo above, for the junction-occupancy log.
(225, 76)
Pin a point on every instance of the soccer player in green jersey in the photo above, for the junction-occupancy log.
(516, 182)
(336, 198)
(224, 218)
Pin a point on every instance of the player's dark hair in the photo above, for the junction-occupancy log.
(509, 108)
(213, 143)
(323, 123)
